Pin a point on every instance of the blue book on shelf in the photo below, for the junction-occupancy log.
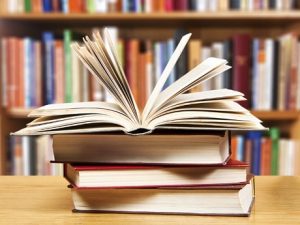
(240, 148)
(47, 6)
(125, 6)
(255, 137)
(48, 43)
(65, 6)
(29, 84)
(169, 52)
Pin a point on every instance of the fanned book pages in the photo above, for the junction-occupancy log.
(169, 108)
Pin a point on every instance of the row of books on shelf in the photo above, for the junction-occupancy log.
(266, 154)
(104, 6)
(37, 72)
(29, 155)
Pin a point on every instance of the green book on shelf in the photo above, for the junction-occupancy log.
(274, 134)
(68, 65)
(27, 5)
(91, 6)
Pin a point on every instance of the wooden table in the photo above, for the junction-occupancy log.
(47, 200)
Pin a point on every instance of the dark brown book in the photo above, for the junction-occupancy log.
(241, 66)
(234, 200)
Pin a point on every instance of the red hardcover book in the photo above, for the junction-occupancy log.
(181, 5)
(141, 71)
(241, 66)
(126, 176)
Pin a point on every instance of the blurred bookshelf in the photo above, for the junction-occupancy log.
(209, 26)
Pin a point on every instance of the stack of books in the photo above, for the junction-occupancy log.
(174, 156)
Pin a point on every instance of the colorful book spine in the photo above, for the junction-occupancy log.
(68, 65)
(48, 40)
(274, 135)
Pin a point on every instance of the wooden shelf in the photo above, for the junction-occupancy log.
(276, 115)
(162, 17)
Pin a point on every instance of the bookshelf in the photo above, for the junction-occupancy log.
(210, 26)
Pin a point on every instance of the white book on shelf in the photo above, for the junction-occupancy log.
(268, 87)
(26, 155)
(101, 6)
(217, 50)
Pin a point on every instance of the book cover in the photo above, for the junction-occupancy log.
(241, 66)
(47, 6)
(68, 65)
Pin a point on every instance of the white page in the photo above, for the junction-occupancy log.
(165, 75)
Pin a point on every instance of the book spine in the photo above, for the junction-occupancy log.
(27, 6)
(47, 6)
(274, 135)
(65, 6)
(4, 74)
(241, 66)
(48, 40)
(181, 65)
(227, 75)
(269, 44)
(38, 73)
(266, 145)
(59, 71)
(27, 72)
(68, 65)
(21, 74)
(276, 69)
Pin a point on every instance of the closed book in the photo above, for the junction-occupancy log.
(274, 135)
(100, 176)
(255, 138)
(76, 6)
(181, 65)
(181, 5)
(59, 71)
(227, 77)
(47, 6)
(191, 148)
(68, 65)
(48, 44)
(194, 58)
(235, 4)
(4, 74)
(266, 148)
(21, 75)
(27, 6)
(38, 73)
(235, 200)
(241, 66)
(276, 69)
(37, 6)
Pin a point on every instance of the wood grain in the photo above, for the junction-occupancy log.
(47, 200)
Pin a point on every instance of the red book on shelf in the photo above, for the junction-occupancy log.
(169, 5)
(141, 79)
(56, 5)
(181, 5)
(59, 71)
(233, 147)
(21, 75)
(241, 66)
(37, 6)
(234, 172)
(266, 148)
(132, 51)
(76, 6)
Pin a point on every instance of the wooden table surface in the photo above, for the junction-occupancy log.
(47, 200)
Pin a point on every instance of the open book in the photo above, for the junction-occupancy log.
(171, 108)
